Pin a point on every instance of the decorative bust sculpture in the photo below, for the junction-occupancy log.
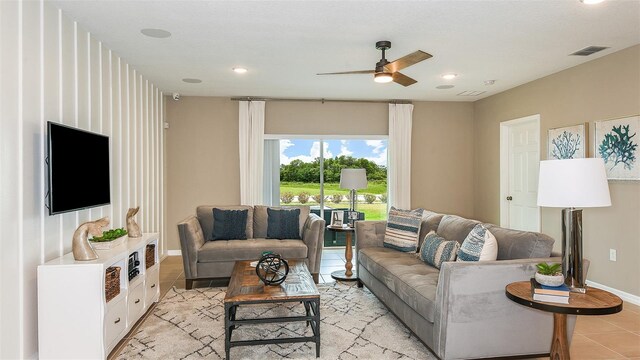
(132, 227)
(82, 249)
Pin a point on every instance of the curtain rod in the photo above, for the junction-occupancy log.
(249, 98)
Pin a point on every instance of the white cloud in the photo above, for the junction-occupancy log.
(314, 152)
(344, 150)
(381, 159)
(377, 145)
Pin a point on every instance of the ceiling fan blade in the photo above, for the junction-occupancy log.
(402, 79)
(349, 72)
(407, 61)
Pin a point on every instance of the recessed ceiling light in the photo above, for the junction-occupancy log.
(449, 76)
(489, 82)
(444, 87)
(591, 2)
(156, 33)
(239, 70)
(192, 81)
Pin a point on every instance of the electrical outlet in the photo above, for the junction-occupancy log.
(612, 254)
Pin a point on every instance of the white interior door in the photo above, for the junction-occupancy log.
(520, 164)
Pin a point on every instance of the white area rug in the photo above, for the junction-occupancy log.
(189, 324)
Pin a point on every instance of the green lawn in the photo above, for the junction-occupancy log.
(375, 211)
(330, 188)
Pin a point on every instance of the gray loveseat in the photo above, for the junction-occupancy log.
(460, 311)
(205, 259)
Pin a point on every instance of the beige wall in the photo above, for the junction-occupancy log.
(202, 148)
(605, 88)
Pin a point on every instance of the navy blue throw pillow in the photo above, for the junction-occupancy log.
(229, 224)
(283, 224)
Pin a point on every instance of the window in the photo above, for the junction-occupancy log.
(306, 171)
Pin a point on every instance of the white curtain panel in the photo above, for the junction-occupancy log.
(251, 152)
(400, 121)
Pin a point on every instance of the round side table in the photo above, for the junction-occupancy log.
(593, 302)
(347, 274)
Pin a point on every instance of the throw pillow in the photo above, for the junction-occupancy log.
(229, 224)
(479, 245)
(403, 229)
(283, 223)
(435, 250)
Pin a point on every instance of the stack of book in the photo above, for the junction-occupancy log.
(554, 294)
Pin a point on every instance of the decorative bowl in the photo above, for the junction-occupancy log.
(550, 280)
(106, 245)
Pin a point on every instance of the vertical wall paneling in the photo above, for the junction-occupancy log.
(11, 321)
(54, 70)
(52, 110)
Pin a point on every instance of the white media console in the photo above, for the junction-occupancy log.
(75, 320)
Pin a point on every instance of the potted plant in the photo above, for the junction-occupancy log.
(549, 274)
(109, 239)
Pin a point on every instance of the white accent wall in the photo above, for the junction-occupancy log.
(53, 70)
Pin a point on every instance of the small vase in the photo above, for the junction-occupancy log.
(550, 280)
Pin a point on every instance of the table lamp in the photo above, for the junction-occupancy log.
(353, 179)
(571, 184)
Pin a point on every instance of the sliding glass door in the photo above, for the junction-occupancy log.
(306, 171)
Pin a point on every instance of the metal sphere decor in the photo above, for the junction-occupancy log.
(272, 269)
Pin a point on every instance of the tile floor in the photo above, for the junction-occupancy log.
(596, 337)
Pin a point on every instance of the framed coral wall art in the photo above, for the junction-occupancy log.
(617, 144)
(568, 142)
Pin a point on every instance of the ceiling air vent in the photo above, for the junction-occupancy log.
(471, 93)
(589, 50)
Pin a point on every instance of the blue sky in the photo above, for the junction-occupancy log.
(308, 150)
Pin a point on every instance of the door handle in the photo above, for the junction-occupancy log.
(509, 197)
(117, 321)
(137, 301)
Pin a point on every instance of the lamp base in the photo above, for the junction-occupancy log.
(572, 266)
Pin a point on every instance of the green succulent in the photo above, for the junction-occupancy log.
(546, 269)
(109, 235)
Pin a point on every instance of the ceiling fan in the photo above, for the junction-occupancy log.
(386, 71)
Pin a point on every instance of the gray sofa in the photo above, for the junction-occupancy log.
(460, 311)
(205, 259)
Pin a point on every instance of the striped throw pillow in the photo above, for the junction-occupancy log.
(403, 229)
(435, 250)
(479, 245)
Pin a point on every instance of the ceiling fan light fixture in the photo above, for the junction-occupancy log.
(383, 77)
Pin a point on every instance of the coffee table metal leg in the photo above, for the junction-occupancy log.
(316, 324)
(559, 343)
(227, 329)
(307, 308)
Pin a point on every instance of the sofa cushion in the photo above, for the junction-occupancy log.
(229, 224)
(403, 229)
(251, 249)
(413, 281)
(430, 222)
(260, 218)
(456, 228)
(435, 250)
(479, 245)
(205, 217)
(283, 223)
(516, 244)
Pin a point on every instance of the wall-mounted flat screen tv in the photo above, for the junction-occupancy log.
(78, 169)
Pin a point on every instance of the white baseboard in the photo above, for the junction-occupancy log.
(625, 296)
(174, 252)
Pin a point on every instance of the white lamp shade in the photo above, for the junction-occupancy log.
(353, 179)
(578, 183)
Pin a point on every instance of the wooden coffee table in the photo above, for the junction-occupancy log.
(593, 302)
(245, 288)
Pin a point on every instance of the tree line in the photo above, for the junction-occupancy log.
(309, 172)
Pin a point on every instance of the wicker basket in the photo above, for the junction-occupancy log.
(112, 282)
(150, 256)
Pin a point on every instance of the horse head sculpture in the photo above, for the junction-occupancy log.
(82, 249)
(132, 227)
